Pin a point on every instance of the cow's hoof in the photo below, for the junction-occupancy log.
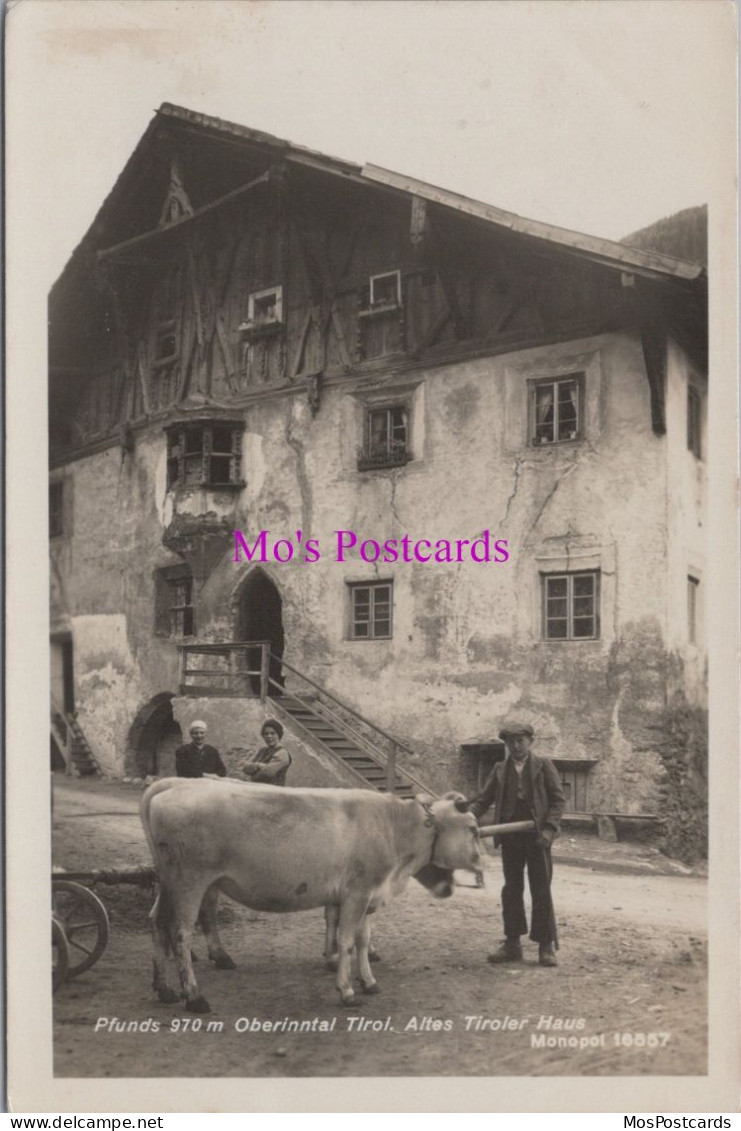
(167, 996)
(351, 1002)
(197, 1005)
(224, 962)
(371, 988)
(333, 962)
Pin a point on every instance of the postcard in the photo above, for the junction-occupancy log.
(372, 536)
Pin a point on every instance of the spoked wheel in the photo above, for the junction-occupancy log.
(59, 954)
(85, 923)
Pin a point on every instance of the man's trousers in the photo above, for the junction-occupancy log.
(521, 851)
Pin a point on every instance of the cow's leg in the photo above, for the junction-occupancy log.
(362, 942)
(331, 918)
(207, 922)
(352, 913)
(161, 923)
(187, 905)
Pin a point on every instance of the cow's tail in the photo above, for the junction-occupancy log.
(161, 915)
(162, 918)
(145, 806)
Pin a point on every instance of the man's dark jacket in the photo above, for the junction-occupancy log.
(541, 786)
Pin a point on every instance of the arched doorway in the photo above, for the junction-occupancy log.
(153, 738)
(258, 615)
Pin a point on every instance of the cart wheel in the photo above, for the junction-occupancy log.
(59, 954)
(85, 922)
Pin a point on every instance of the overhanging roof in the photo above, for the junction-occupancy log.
(607, 252)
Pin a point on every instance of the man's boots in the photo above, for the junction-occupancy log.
(547, 954)
(509, 951)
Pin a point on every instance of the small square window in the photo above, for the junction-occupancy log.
(371, 608)
(571, 606)
(386, 438)
(694, 419)
(265, 308)
(56, 509)
(385, 290)
(556, 409)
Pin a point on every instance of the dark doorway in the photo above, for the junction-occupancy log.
(259, 616)
(62, 673)
(153, 739)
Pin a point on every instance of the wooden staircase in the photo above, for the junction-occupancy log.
(248, 668)
(307, 716)
(72, 744)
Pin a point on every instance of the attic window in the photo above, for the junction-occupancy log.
(204, 455)
(264, 310)
(385, 291)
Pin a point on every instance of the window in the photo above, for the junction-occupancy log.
(385, 290)
(556, 409)
(181, 607)
(693, 586)
(174, 612)
(694, 406)
(165, 305)
(571, 605)
(386, 438)
(264, 310)
(56, 513)
(370, 611)
(204, 455)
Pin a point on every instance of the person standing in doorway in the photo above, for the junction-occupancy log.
(195, 759)
(525, 787)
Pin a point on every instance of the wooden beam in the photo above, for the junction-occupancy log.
(653, 341)
(158, 233)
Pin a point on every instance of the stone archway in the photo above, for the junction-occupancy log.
(153, 738)
(257, 614)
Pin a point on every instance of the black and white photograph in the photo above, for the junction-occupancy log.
(388, 502)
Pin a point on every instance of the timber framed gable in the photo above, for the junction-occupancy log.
(227, 265)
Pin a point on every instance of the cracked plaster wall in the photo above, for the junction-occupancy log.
(466, 647)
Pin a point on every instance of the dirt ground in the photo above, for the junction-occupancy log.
(628, 996)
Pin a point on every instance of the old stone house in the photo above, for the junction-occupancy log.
(253, 337)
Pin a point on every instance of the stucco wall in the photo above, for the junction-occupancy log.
(466, 647)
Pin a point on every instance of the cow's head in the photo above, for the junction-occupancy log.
(456, 843)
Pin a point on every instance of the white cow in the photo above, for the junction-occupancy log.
(280, 849)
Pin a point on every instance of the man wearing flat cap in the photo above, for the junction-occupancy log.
(196, 759)
(524, 787)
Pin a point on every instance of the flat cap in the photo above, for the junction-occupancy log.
(514, 727)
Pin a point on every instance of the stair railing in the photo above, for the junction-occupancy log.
(233, 676)
(368, 746)
(63, 734)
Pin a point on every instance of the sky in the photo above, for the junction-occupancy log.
(597, 115)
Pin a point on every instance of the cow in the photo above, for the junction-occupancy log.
(281, 849)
